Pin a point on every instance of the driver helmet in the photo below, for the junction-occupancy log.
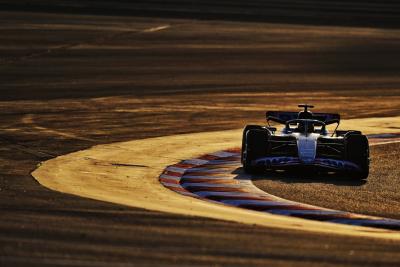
(305, 115)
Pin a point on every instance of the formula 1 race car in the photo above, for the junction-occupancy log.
(304, 142)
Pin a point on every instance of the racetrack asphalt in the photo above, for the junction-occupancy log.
(70, 81)
(127, 173)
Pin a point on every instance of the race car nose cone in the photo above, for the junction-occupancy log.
(307, 148)
(307, 156)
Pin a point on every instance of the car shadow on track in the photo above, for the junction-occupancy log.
(300, 177)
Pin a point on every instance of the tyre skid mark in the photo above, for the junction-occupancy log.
(213, 178)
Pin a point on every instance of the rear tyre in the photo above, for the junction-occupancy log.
(357, 151)
(255, 147)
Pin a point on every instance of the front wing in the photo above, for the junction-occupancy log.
(282, 162)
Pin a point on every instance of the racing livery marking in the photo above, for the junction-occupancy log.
(215, 177)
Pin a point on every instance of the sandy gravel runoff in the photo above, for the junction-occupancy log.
(127, 173)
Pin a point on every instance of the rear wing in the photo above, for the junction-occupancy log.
(284, 116)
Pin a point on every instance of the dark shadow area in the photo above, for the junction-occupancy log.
(338, 12)
(360, 56)
(301, 176)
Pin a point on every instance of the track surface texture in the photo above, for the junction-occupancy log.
(218, 177)
(72, 78)
(127, 173)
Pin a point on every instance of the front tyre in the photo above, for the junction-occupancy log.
(357, 151)
(245, 130)
(255, 147)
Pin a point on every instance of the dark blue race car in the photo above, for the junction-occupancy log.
(305, 142)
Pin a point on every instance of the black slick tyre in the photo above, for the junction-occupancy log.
(245, 130)
(357, 151)
(255, 147)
